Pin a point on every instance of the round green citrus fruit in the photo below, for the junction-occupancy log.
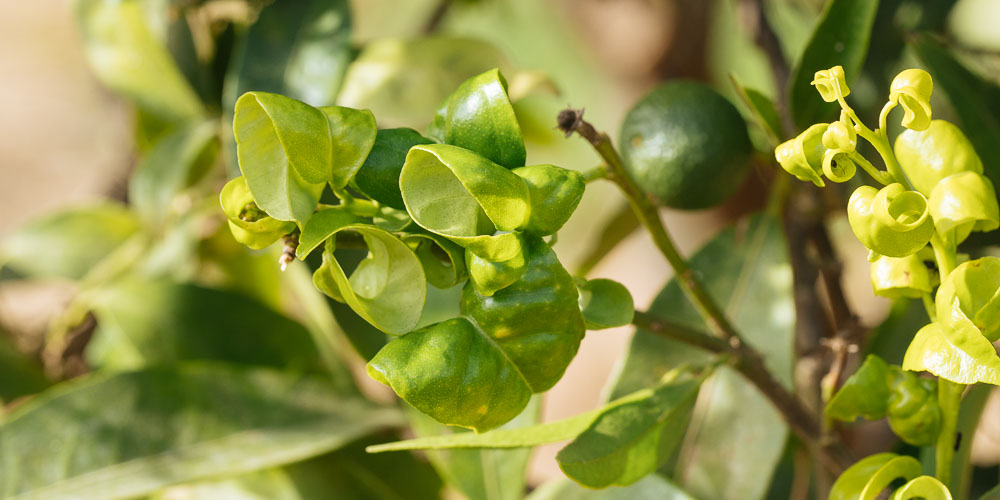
(686, 145)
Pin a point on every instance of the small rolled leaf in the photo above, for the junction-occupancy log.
(899, 277)
(249, 224)
(838, 166)
(465, 197)
(323, 225)
(866, 479)
(864, 394)
(352, 135)
(387, 289)
(912, 410)
(803, 155)
(841, 135)
(927, 156)
(831, 83)
(378, 178)
(443, 260)
(926, 487)
(962, 203)
(891, 221)
(555, 193)
(488, 277)
(912, 90)
(283, 148)
(605, 303)
(455, 373)
(478, 116)
(954, 349)
(974, 288)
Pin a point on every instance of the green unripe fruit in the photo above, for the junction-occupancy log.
(686, 145)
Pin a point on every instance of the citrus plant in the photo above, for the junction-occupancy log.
(309, 213)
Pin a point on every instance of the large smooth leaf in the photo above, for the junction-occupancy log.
(403, 81)
(478, 116)
(840, 39)
(173, 164)
(133, 433)
(126, 54)
(627, 442)
(149, 322)
(284, 149)
(68, 244)
(974, 99)
(956, 350)
(736, 437)
(651, 487)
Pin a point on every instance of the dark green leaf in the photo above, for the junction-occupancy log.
(20, 375)
(632, 439)
(864, 394)
(174, 164)
(161, 322)
(605, 303)
(478, 116)
(840, 39)
(68, 244)
(379, 176)
(746, 269)
(133, 433)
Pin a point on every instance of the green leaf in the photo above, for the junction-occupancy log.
(762, 109)
(648, 488)
(866, 479)
(465, 197)
(631, 440)
(352, 133)
(387, 289)
(248, 224)
(555, 193)
(923, 487)
(746, 269)
(379, 176)
(68, 244)
(478, 116)
(131, 434)
(443, 260)
(150, 322)
(993, 494)
(955, 350)
(126, 54)
(404, 80)
(20, 375)
(864, 394)
(174, 164)
(972, 96)
(323, 225)
(284, 149)
(605, 303)
(840, 39)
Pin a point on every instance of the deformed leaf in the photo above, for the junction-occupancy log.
(379, 176)
(478, 116)
(555, 193)
(605, 303)
(866, 479)
(632, 439)
(840, 38)
(173, 164)
(131, 434)
(284, 149)
(247, 222)
(321, 226)
(387, 289)
(955, 350)
(443, 260)
(926, 487)
(67, 244)
(352, 135)
(864, 394)
(488, 276)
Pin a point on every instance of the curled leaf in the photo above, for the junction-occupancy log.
(803, 155)
(605, 303)
(555, 193)
(487, 276)
(974, 288)
(249, 224)
(443, 260)
(912, 90)
(898, 277)
(864, 394)
(378, 178)
(831, 83)
(352, 135)
(954, 349)
(927, 156)
(962, 203)
(866, 479)
(891, 221)
(926, 487)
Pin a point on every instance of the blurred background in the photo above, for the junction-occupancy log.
(68, 140)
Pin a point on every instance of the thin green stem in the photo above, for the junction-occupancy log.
(883, 118)
(929, 306)
(879, 139)
(949, 399)
(595, 173)
(944, 254)
(883, 178)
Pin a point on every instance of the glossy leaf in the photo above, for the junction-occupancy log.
(631, 440)
(974, 287)
(131, 434)
(962, 203)
(174, 164)
(891, 221)
(465, 197)
(478, 116)
(896, 278)
(152, 322)
(489, 276)
(68, 244)
(323, 225)
(866, 479)
(840, 38)
(605, 303)
(352, 135)
(926, 487)
(387, 289)
(555, 193)
(927, 156)
(126, 55)
(443, 260)
(864, 394)
(954, 349)
(913, 410)
(284, 148)
(247, 222)
(378, 178)
(404, 80)
(735, 447)
(648, 488)
(972, 97)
